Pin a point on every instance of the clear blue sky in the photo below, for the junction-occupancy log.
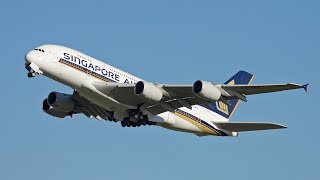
(166, 42)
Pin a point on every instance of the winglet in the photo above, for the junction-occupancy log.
(306, 87)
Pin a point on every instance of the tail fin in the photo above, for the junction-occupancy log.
(221, 108)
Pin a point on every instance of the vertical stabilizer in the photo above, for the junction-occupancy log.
(221, 108)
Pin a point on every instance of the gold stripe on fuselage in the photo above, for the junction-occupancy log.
(203, 127)
(77, 67)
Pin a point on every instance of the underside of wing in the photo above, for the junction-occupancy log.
(158, 98)
(123, 93)
(172, 96)
(247, 126)
(258, 89)
(89, 109)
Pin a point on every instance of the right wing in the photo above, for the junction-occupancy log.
(247, 126)
(89, 109)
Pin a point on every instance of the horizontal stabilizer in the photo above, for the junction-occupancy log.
(247, 126)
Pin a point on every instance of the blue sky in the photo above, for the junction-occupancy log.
(167, 42)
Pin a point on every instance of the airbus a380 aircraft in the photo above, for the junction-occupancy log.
(107, 93)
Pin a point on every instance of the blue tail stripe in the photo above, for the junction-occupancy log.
(242, 77)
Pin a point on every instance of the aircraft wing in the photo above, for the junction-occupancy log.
(124, 93)
(259, 89)
(176, 96)
(247, 126)
(89, 109)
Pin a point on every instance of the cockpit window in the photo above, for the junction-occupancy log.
(41, 50)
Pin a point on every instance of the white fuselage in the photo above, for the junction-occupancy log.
(79, 71)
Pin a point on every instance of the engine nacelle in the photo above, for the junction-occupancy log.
(52, 111)
(148, 91)
(206, 90)
(60, 101)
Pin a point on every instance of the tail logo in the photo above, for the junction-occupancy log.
(221, 106)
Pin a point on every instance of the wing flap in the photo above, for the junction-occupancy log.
(247, 126)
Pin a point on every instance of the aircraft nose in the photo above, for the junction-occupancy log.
(29, 57)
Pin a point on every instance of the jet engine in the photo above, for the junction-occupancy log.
(58, 104)
(53, 111)
(61, 101)
(148, 91)
(206, 90)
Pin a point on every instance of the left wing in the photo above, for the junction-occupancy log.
(158, 98)
(172, 98)
(259, 89)
(176, 96)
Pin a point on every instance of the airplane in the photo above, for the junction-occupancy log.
(104, 92)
